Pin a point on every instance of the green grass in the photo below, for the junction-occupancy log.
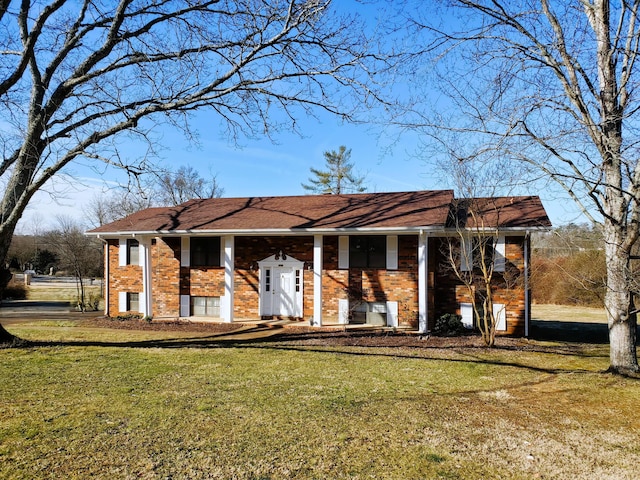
(85, 407)
(567, 313)
(66, 293)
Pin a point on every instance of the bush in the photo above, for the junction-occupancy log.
(449, 325)
(15, 291)
(128, 317)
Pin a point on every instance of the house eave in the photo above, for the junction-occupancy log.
(437, 231)
(273, 232)
(524, 230)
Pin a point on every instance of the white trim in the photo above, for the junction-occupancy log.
(434, 231)
(122, 301)
(527, 303)
(226, 302)
(144, 255)
(317, 279)
(272, 297)
(392, 314)
(423, 282)
(107, 290)
(343, 252)
(185, 253)
(392, 252)
(343, 311)
(122, 252)
(500, 316)
(185, 305)
(499, 252)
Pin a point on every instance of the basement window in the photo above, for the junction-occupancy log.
(205, 306)
(133, 302)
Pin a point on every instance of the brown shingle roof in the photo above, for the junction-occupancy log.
(501, 212)
(308, 212)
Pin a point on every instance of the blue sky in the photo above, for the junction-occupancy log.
(261, 167)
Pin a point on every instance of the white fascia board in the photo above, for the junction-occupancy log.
(511, 231)
(284, 231)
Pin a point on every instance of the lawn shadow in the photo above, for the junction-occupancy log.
(575, 332)
(349, 343)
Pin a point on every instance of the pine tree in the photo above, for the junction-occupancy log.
(338, 176)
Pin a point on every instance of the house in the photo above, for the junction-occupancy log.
(377, 258)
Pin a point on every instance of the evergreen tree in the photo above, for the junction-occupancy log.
(338, 176)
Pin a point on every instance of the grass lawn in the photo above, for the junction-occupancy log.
(61, 292)
(566, 313)
(120, 404)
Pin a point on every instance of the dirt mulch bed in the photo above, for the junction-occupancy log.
(332, 336)
(160, 326)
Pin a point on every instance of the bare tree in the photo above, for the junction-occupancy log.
(78, 254)
(185, 183)
(338, 176)
(77, 78)
(115, 204)
(159, 189)
(475, 254)
(550, 86)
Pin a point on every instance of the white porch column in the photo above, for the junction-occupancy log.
(145, 262)
(527, 301)
(226, 303)
(423, 281)
(105, 285)
(317, 280)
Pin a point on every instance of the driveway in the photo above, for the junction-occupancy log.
(18, 311)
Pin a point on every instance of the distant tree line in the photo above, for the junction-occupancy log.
(568, 266)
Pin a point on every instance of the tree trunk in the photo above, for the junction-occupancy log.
(6, 338)
(6, 234)
(618, 301)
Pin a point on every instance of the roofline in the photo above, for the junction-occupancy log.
(433, 231)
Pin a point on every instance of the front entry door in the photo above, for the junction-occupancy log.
(283, 292)
(281, 288)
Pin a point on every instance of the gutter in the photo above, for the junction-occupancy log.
(433, 231)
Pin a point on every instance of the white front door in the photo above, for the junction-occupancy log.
(281, 288)
(284, 293)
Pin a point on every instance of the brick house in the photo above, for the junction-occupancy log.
(379, 258)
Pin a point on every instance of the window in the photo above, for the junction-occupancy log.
(466, 312)
(205, 251)
(368, 251)
(494, 249)
(133, 302)
(205, 306)
(133, 252)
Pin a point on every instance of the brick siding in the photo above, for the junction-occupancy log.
(445, 292)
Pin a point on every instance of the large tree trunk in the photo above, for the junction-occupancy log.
(619, 305)
(6, 234)
(6, 338)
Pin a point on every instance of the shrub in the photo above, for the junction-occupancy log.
(128, 317)
(15, 291)
(449, 325)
